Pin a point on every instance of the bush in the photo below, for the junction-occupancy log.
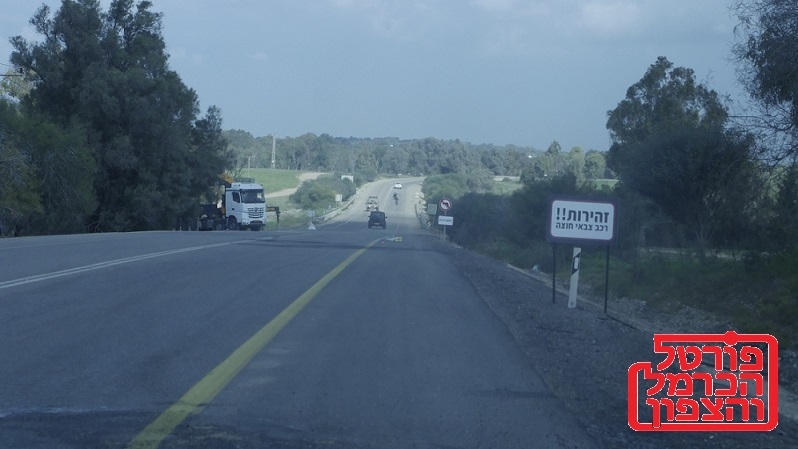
(320, 193)
(313, 195)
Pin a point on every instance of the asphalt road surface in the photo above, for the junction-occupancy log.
(342, 337)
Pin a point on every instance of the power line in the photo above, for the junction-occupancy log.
(21, 73)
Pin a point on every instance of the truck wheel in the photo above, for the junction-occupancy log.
(232, 224)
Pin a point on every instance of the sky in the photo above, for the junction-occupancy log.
(504, 72)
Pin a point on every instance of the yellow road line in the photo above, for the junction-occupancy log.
(206, 389)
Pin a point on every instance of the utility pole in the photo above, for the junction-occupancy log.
(274, 147)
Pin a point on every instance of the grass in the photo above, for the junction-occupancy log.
(273, 180)
(506, 187)
(754, 299)
(755, 296)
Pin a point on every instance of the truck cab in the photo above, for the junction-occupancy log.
(244, 206)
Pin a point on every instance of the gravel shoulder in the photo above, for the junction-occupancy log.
(584, 355)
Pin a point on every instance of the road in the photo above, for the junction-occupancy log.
(340, 337)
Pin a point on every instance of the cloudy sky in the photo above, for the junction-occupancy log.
(523, 72)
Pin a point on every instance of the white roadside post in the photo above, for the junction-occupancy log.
(574, 278)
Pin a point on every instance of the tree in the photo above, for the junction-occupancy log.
(670, 143)
(785, 224)
(108, 74)
(666, 97)
(19, 185)
(48, 174)
(554, 154)
(767, 53)
(575, 163)
(65, 166)
(595, 165)
(450, 185)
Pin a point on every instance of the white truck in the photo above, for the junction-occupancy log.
(242, 206)
(245, 206)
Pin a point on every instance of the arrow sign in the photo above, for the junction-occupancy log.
(445, 204)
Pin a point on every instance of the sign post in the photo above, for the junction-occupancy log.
(581, 221)
(445, 205)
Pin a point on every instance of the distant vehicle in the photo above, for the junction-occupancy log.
(372, 203)
(377, 218)
(398, 185)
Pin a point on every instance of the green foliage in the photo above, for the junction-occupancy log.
(479, 218)
(319, 194)
(785, 221)
(364, 175)
(485, 219)
(273, 180)
(595, 165)
(19, 185)
(667, 97)
(66, 168)
(107, 74)
(312, 195)
(450, 186)
(49, 184)
(670, 144)
(768, 69)
(506, 186)
(530, 206)
(368, 158)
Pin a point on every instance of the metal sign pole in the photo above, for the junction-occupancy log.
(607, 279)
(554, 274)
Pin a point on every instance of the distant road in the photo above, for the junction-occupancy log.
(199, 339)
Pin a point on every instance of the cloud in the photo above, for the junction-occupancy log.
(396, 19)
(610, 19)
(494, 5)
(259, 56)
(181, 54)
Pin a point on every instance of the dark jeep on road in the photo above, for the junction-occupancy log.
(377, 218)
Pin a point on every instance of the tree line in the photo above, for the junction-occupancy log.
(691, 173)
(460, 167)
(368, 157)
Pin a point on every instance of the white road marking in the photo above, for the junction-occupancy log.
(100, 265)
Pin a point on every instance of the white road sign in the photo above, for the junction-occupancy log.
(445, 204)
(582, 220)
(445, 220)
